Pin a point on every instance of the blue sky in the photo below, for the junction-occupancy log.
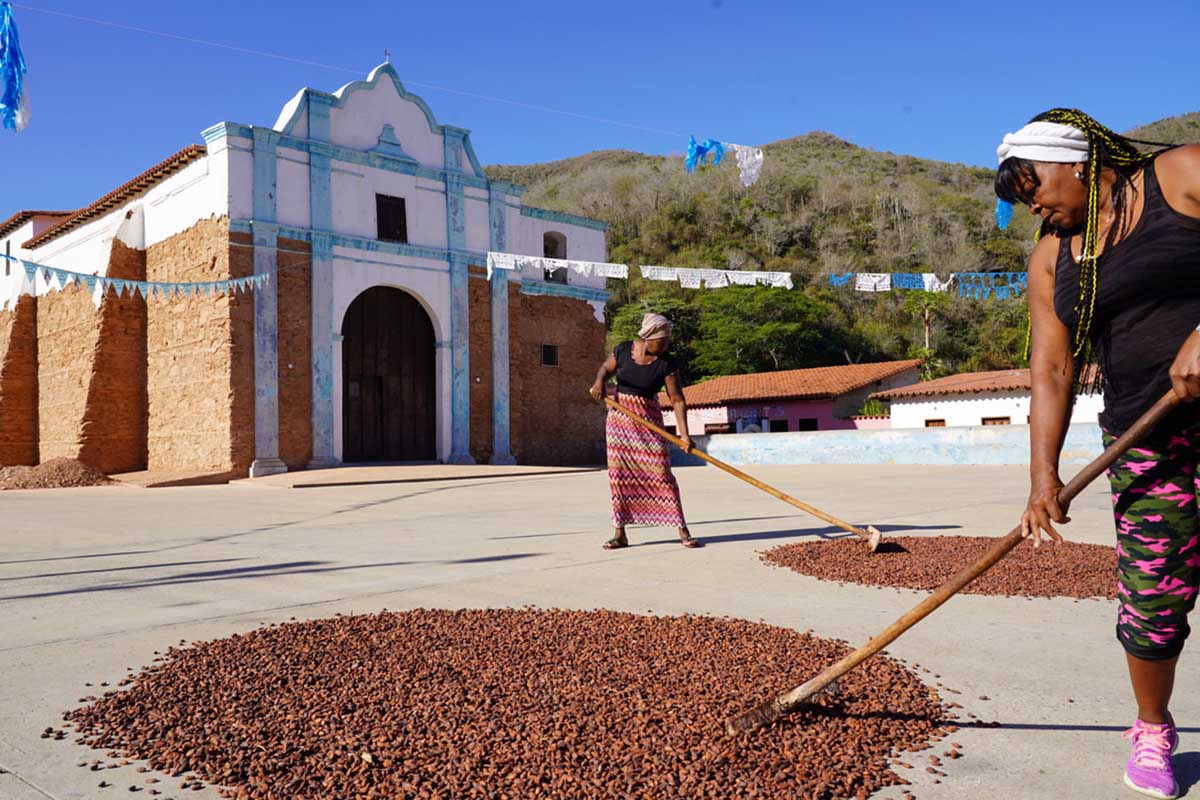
(936, 79)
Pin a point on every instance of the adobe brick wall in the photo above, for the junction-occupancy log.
(553, 421)
(113, 433)
(200, 356)
(295, 350)
(480, 302)
(18, 384)
(68, 329)
(91, 376)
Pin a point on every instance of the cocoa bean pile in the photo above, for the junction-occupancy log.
(57, 473)
(511, 703)
(1069, 569)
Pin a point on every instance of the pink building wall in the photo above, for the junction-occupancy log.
(830, 413)
(814, 412)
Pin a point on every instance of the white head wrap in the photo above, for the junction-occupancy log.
(654, 326)
(1045, 141)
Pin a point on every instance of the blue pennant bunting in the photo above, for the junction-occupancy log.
(841, 280)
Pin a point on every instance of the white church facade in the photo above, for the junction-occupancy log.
(379, 336)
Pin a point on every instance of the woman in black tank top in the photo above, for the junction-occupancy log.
(642, 486)
(1114, 285)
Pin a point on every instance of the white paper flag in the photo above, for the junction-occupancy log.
(873, 282)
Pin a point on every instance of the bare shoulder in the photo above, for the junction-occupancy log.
(1044, 256)
(1178, 173)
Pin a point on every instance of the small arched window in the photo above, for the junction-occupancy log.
(554, 245)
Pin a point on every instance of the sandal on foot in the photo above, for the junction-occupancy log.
(616, 543)
(689, 542)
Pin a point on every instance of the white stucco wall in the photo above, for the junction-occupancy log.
(971, 409)
(198, 191)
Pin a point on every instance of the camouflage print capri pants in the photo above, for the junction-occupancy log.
(1154, 489)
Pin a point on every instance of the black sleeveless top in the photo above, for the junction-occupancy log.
(644, 380)
(1147, 304)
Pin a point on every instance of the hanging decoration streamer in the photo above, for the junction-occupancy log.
(873, 282)
(1004, 214)
(932, 283)
(908, 280)
(687, 278)
(697, 153)
(986, 285)
(978, 285)
(14, 100)
(588, 269)
(718, 278)
(749, 161)
(37, 280)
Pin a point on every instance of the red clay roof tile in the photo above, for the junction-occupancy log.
(125, 191)
(793, 384)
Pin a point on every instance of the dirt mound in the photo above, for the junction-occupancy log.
(516, 703)
(57, 473)
(1069, 569)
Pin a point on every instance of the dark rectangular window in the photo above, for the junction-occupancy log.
(392, 218)
(669, 429)
(556, 275)
(935, 423)
(997, 421)
(780, 426)
(549, 355)
(807, 424)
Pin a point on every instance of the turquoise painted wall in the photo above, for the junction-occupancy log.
(993, 444)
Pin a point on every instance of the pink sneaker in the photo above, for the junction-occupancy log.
(1149, 767)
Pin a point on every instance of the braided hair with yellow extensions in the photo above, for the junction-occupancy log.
(1016, 182)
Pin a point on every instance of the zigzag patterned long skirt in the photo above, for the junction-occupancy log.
(644, 491)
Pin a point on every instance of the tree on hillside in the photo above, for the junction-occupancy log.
(744, 329)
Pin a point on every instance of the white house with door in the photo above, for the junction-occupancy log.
(974, 398)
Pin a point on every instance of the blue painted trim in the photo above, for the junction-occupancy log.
(460, 331)
(389, 145)
(339, 98)
(266, 305)
(265, 163)
(560, 290)
(992, 444)
(320, 201)
(563, 217)
(364, 244)
(367, 158)
(219, 131)
(507, 188)
(498, 241)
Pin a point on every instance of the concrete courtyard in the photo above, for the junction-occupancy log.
(93, 581)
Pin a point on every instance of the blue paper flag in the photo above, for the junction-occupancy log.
(697, 153)
(907, 280)
(14, 102)
(1004, 213)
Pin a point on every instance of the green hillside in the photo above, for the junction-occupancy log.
(822, 205)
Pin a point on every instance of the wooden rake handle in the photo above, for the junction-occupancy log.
(737, 473)
(785, 703)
